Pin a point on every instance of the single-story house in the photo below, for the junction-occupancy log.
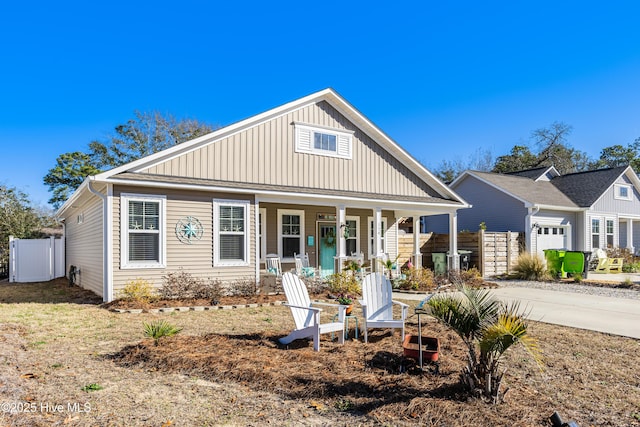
(578, 211)
(312, 176)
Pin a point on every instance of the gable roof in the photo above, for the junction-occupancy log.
(524, 189)
(128, 172)
(572, 191)
(536, 173)
(585, 188)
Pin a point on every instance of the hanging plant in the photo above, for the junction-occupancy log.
(330, 238)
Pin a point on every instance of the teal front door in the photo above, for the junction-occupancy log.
(326, 248)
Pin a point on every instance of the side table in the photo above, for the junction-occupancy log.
(346, 325)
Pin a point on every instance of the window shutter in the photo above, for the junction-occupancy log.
(303, 140)
(344, 146)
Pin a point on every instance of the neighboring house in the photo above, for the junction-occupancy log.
(285, 181)
(578, 211)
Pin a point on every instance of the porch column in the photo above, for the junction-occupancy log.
(630, 242)
(417, 255)
(341, 242)
(377, 237)
(454, 260)
(256, 227)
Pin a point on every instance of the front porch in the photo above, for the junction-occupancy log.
(629, 234)
(331, 235)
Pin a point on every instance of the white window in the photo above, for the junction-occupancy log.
(142, 231)
(609, 232)
(231, 232)
(352, 235)
(383, 230)
(290, 233)
(622, 192)
(323, 141)
(595, 233)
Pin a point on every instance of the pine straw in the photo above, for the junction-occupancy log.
(377, 385)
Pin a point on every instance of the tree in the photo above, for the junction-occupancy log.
(145, 134)
(70, 170)
(520, 158)
(141, 136)
(448, 170)
(618, 155)
(17, 218)
(488, 328)
(554, 150)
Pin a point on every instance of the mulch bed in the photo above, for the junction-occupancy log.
(375, 385)
(372, 380)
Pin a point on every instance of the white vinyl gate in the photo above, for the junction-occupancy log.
(35, 260)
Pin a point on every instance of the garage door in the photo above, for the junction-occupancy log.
(551, 238)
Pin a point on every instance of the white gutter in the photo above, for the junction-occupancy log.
(107, 238)
(296, 196)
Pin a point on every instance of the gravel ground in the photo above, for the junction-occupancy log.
(582, 288)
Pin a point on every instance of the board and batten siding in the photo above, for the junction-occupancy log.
(195, 258)
(609, 204)
(265, 154)
(84, 243)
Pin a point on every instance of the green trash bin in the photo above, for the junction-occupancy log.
(439, 262)
(573, 263)
(554, 259)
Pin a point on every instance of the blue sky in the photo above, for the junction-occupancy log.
(441, 78)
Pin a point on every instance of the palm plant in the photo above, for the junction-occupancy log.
(488, 328)
(158, 329)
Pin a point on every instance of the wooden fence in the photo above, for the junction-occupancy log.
(493, 253)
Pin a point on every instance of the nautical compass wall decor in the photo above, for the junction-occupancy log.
(189, 229)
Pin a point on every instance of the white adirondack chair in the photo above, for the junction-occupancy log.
(306, 317)
(377, 305)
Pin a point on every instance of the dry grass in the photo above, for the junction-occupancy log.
(226, 368)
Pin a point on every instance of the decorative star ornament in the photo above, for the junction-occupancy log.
(189, 229)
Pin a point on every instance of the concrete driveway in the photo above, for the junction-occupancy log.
(617, 316)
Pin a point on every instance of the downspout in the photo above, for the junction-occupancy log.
(528, 227)
(107, 239)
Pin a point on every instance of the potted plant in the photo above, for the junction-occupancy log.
(346, 299)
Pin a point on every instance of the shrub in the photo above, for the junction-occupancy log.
(244, 287)
(159, 329)
(530, 267)
(632, 267)
(470, 277)
(139, 290)
(314, 285)
(344, 282)
(183, 285)
(417, 279)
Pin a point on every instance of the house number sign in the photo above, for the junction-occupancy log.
(189, 229)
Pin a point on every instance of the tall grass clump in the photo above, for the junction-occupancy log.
(531, 267)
